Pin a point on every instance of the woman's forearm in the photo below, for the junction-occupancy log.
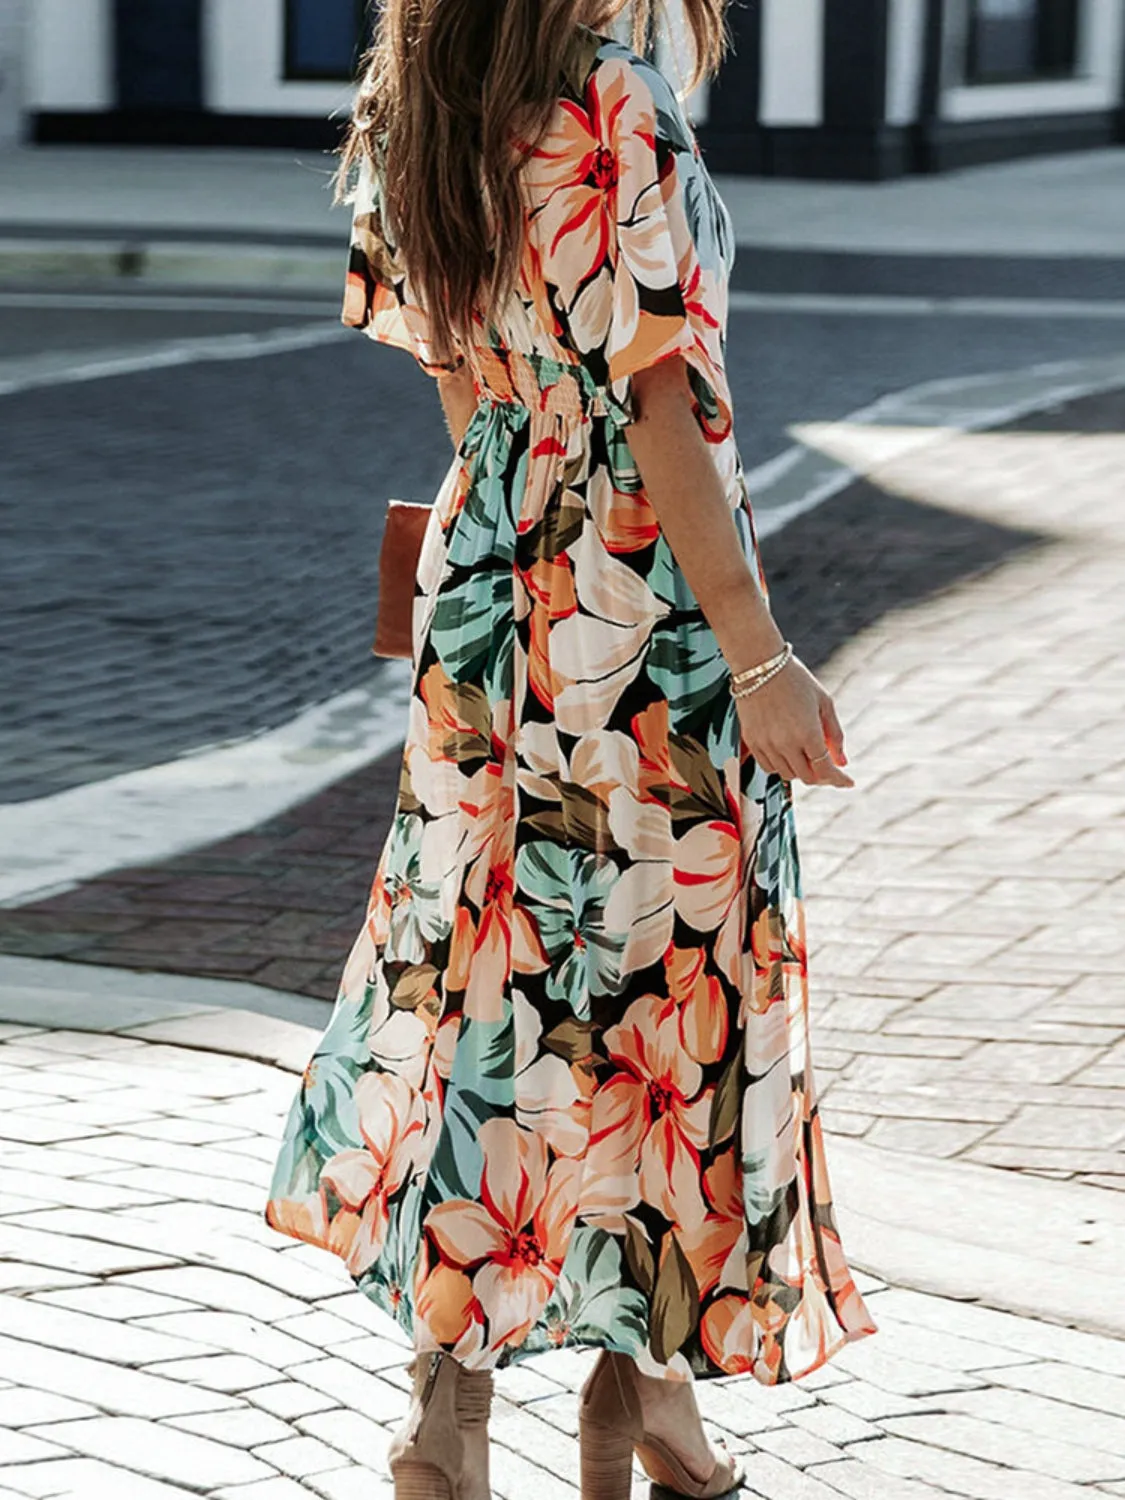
(684, 489)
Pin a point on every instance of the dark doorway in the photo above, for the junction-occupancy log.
(159, 54)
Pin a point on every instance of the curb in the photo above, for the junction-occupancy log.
(171, 263)
(1020, 1244)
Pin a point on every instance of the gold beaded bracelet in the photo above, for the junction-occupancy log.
(754, 677)
(752, 687)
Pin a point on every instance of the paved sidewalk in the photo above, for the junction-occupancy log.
(967, 948)
(158, 1340)
(967, 905)
(264, 220)
(1067, 205)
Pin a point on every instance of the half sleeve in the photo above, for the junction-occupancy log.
(668, 277)
(378, 298)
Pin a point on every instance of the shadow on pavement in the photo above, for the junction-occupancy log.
(281, 905)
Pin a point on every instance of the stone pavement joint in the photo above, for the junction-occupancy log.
(967, 906)
(208, 1356)
(967, 947)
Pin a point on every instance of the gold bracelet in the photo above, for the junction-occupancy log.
(764, 666)
(763, 669)
(746, 688)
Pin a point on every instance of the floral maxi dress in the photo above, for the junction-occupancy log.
(565, 1095)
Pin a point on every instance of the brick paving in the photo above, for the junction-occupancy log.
(189, 553)
(281, 905)
(965, 904)
(157, 1340)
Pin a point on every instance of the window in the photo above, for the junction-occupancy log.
(323, 38)
(1013, 40)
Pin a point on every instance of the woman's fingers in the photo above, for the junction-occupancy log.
(826, 773)
(833, 730)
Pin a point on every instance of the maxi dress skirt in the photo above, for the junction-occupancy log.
(565, 1097)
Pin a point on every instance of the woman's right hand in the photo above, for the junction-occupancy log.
(789, 725)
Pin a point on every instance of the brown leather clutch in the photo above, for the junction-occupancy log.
(398, 569)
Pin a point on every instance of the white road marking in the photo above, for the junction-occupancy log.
(143, 817)
(147, 816)
(802, 477)
(875, 306)
(842, 304)
(74, 369)
(167, 302)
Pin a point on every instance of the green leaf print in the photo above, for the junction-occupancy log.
(483, 533)
(296, 1173)
(458, 1161)
(638, 1255)
(486, 1056)
(675, 1303)
(759, 1202)
(685, 663)
(697, 769)
(393, 1272)
(572, 1040)
(624, 474)
(726, 1103)
(559, 529)
(589, 1303)
(473, 625)
(412, 986)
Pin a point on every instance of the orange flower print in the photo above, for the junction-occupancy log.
(650, 1119)
(728, 1334)
(391, 1122)
(704, 1016)
(587, 908)
(303, 1219)
(777, 953)
(516, 1235)
(570, 179)
(488, 811)
(445, 1303)
(715, 1249)
(708, 873)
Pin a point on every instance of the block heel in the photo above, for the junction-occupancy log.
(418, 1481)
(611, 1430)
(606, 1461)
(441, 1451)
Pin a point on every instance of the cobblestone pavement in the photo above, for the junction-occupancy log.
(158, 1340)
(968, 903)
(965, 904)
(280, 905)
(188, 555)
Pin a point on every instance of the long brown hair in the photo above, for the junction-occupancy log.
(446, 89)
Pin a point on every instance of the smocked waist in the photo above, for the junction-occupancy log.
(544, 386)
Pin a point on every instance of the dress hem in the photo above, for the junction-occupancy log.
(516, 1354)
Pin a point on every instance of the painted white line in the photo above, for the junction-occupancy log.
(801, 478)
(837, 305)
(831, 303)
(152, 815)
(168, 302)
(235, 346)
(147, 816)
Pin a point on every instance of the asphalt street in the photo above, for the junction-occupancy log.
(188, 554)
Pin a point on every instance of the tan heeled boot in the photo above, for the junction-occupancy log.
(611, 1429)
(441, 1452)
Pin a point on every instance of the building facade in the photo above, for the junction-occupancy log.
(860, 89)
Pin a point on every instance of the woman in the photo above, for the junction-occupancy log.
(565, 1096)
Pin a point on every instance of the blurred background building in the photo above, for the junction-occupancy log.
(860, 89)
